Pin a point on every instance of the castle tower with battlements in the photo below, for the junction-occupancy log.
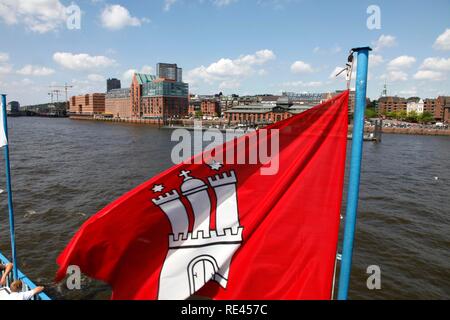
(196, 257)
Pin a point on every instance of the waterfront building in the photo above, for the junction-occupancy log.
(112, 84)
(429, 105)
(269, 100)
(415, 105)
(169, 71)
(118, 103)
(309, 98)
(13, 107)
(139, 79)
(208, 107)
(155, 98)
(88, 104)
(442, 104)
(392, 104)
(264, 113)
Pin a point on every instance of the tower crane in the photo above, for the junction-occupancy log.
(65, 87)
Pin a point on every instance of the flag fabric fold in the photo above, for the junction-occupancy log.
(225, 230)
(3, 140)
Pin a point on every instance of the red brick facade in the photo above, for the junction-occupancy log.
(164, 107)
(88, 104)
(391, 104)
(135, 92)
(118, 107)
(269, 117)
(207, 107)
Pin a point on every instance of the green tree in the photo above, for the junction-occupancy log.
(392, 115)
(198, 114)
(425, 117)
(402, 115)
(412, 116)
(371, 113)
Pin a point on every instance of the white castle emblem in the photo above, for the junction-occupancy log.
(196, 257)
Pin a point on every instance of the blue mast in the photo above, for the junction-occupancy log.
(355, 170)
(8, 188)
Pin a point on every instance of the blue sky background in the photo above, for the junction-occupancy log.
(216, 42)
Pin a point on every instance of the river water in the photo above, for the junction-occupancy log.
(66, 170)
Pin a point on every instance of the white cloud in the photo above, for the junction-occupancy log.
(96, 77)
(116, 17)
(229, 84)
(394, 76)
(333, 50)
(296, 84)
(128, 75)
(375, 60)
(227, 70)
(342, 75)
(223, 3)
(439, 64)
(4, 57)
(301, 67)
(443, 41)
(409, 92)
(5, 69)
(36, 15)
(31, 70)
(429, 75)
(384, 41)
(401, 62)
(262, 72)
(82, 61)
(168, 4)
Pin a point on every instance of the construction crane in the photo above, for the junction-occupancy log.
(53, 92)
(65, 87)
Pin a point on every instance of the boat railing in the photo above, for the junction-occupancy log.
(27, 283)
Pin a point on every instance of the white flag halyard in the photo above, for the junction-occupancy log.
(3, 140)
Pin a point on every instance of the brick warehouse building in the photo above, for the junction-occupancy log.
(438, 107)
(265, 113)
(209, 107)
(392, 104)
(88, 104)
(118, 103)
(153, 97)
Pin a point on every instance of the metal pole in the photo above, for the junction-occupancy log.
(355, 170)
(8, 188)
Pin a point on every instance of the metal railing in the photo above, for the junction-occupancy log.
(27, 283)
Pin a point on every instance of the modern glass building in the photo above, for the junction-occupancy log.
(169, 71)
(166, 89)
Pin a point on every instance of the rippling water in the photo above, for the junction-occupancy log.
(66, 170)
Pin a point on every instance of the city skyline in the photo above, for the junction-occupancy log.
(242, 47)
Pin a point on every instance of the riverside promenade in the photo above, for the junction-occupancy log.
(414, 130)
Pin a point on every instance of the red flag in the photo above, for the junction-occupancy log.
(224, 230)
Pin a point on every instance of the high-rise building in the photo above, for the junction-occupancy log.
(169, 71)
(158, 97)
(112, 84)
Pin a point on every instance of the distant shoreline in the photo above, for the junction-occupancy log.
(410, 131)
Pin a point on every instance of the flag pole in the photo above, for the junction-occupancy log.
(355, 170)
(8, 188)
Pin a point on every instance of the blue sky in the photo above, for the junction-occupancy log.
(233, 46)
